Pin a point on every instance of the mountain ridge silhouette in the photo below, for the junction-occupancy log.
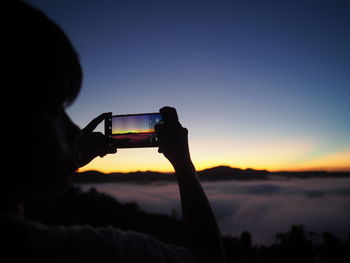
(217, 173)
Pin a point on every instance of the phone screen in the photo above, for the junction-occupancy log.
(134, 130)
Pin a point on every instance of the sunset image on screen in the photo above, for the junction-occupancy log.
(131, 124)
(135, 130)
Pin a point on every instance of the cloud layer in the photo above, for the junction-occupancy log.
(263, 208)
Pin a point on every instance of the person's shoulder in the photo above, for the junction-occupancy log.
(40, 241)
(138, 247)
(126, 246)
(87, 243)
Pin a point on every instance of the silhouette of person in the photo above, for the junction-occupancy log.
(44, 147)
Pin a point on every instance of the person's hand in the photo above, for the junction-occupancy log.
(93, 144)
(173, 139)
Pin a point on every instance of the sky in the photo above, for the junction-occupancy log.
(259, 84)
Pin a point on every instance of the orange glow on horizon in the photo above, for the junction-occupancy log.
(276, 156)
(101, 165)
(134, 131)
(199, 168)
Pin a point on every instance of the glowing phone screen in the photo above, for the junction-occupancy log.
(135, 130)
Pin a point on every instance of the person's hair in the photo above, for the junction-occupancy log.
(44, 66)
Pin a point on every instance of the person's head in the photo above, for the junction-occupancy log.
(45, 76)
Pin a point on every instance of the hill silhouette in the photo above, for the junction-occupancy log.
(218, 173)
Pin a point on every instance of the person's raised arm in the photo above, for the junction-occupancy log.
(202, 235)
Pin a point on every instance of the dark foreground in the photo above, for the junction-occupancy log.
(99, 209)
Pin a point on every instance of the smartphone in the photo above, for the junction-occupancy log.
(133, 130)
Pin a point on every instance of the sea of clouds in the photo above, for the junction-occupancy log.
(264, 208)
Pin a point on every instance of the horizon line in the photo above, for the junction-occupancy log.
(340, 170)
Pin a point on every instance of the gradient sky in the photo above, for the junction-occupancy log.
(135, 123)
(139, 123)
(260, 84)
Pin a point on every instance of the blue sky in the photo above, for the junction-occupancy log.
(262, 84)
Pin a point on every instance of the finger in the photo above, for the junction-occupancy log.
(95, 122)
(107, 150)
(109, 145)
(112, 147)
(158, 128)
(169, 115)
(111, 150)
(113, 144)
